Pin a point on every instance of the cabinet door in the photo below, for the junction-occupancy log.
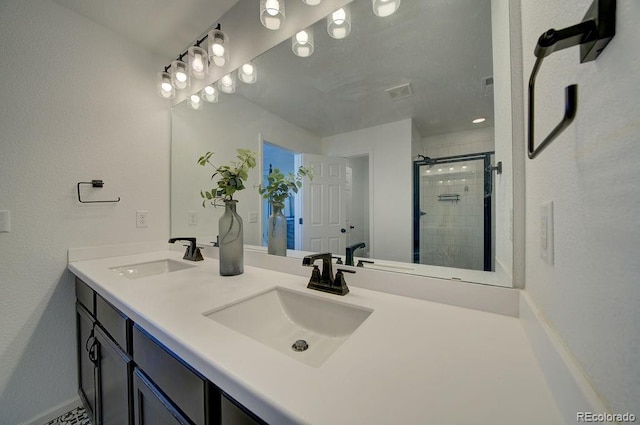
(151, 407)
(114, 371)
(87, 370)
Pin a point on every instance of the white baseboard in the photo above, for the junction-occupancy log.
(568, 383)
(54, 412)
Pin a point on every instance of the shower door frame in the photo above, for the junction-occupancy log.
(488, 191)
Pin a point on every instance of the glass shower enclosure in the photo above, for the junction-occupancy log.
(453, 219)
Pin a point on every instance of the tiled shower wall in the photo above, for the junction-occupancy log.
(452, 232)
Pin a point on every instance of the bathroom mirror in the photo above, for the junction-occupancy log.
(395, 101)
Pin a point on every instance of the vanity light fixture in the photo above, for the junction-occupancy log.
(198, 62)
(302, 43)
(218, 43)
(247, 73)
(272, 14)
(311, 2)
(227, 84)
(195, 102)
(479, 120)
(180, 75)
(384, 8)
(339, 23)
(165, 88)
(210, 94)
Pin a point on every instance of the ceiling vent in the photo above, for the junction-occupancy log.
(486, 84)
(400, 92)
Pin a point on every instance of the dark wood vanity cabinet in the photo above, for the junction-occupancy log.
(126, 376)
(104, 368)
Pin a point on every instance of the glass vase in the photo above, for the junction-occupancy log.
(231, 243)
(277, 231)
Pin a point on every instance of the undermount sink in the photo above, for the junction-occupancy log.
(151, 268)
(306, 327)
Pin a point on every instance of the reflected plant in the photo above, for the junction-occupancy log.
(231, 177)
(280, 186)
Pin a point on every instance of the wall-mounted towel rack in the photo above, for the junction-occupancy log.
(592, 34)
(94, 183)
(453, 197)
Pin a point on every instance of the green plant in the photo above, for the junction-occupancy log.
(280, 186)
(230, 177)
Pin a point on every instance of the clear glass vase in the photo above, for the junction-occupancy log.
(277, 231)
(231, 243)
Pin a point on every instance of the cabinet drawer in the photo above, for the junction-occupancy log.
(86, 296)
(114, 322)
(186, 389)
(150, 406)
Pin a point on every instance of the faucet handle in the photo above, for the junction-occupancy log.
(339, 259)
(340, 282)
(361, 263)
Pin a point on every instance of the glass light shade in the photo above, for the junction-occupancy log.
(384, 8)
(210, 94)
(227, 84)
(198, 62)
(248, 73)
(311, 2)
(218, 43)
(180, 75)
(165, 89)
(339, 23)
(272, 14)
(195, 102)
(302, 43)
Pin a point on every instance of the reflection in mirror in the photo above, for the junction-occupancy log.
(388, 120)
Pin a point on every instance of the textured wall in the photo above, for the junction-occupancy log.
(591, 295)
(77, 103)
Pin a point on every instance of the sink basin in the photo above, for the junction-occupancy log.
(280, 317)
(151, 268)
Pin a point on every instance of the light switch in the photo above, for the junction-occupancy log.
(5, 221)
(193, 218)
(546, 232)
(253, 217)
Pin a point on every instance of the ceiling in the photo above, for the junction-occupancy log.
(166, 27)
(442, 48)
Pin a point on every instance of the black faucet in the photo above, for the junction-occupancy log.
(193, 252)
(325, 281)
(348, 257)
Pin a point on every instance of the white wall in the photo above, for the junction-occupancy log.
(391, 178)
(78, 103)
(591, 294)
(222, 128)
(459, 143)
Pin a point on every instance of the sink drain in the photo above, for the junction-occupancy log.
(300, 345)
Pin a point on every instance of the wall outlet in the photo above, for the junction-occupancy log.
(546, 232)
(142, 218)
(192, 219)
(253, 217)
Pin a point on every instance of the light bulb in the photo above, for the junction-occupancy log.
(302, 37)
(384, 8)
(273, 7)
(166, 87)
(247, 69)
(209, 90)
(181, 76)
(339, 16)
(227, 84)
(198, 65)
(195, 98)
(210, 94)
(218, 49)
(339, 23)
(226, 80)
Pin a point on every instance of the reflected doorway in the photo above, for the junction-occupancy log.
(453, 219)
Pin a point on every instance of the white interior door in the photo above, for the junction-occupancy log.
(323, 227)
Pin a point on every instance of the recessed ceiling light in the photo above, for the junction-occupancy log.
(479, 120)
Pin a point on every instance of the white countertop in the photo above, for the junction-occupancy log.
(410, 362)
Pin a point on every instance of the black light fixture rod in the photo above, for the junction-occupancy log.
(197, 44)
